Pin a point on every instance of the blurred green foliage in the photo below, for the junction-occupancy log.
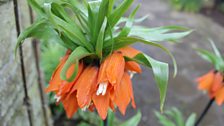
(174, 117)
(50, 57)
(221, 7)
(187, 5)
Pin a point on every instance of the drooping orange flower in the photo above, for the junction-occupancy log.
(114, 82)
(213, 83)
(101, 86)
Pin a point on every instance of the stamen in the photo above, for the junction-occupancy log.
(102, 89)
(57, 98)
(132, 73)
(86, 107)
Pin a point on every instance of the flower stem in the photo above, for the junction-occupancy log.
(208, 106)
(105, 122)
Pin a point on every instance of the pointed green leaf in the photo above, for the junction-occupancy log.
(41, 30)
(127, 28)
(212, 58)
(134, 121)
(178, 117)
(74, 58)
(93, 9)
(119, 12)
(111, 5)
(160, 34)
(103, 10)
(217, 52)
(73, 32)
(111, 39)
(35, 6)
(160, 71)
(29, 31)
(138, 20)
(100, 40)
(164, 120)
(191, 120)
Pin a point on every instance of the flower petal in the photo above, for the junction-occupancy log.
(102, 77)
(101, 103)
(129, 51)
(85, 85)
(115, 68)
(133, 66)
(122, 93)
(205, 82)
(130, 90)
(66, 86)
(56, 81)
(219, 97)
(70, 104)
(217, 82)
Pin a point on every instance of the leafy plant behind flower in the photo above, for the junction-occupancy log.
(93, 30)
(213, 81)
(174, 117)
(215, 58)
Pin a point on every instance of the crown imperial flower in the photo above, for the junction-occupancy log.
(97, 69)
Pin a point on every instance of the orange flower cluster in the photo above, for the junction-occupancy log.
(101, 87)
(213, 83)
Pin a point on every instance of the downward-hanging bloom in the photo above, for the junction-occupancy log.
(101, 87)
(114, 85)
(62, 88)
(213, 81)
